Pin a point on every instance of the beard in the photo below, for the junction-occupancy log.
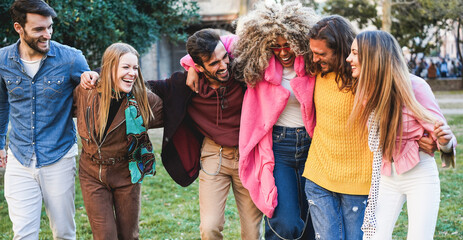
(33, 43)
(328, 67)
(215, 77)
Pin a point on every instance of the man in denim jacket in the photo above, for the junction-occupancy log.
(37, 77)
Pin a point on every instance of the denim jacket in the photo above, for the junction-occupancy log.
(39, 108)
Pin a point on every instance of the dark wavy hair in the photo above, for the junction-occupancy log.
(202, 44)
(20, 8)
(339, 35)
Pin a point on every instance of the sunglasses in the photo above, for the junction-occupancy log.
(279, 49)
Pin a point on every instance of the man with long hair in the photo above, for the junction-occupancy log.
(338, 168)
(37, 77)
(339, 164)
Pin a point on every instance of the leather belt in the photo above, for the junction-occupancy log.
(109, 161)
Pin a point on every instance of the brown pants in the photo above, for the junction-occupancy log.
(111, 200)
(215, 178)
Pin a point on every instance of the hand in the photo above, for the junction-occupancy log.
(443, 133)
(192, 80)
(3, 158)
(427, 144)
(88, 79)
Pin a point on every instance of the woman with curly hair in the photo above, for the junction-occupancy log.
(278, 115)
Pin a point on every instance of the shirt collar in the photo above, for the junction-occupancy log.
(14, 54)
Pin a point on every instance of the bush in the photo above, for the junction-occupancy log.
(93, 25)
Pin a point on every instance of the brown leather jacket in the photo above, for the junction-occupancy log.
(114, 146)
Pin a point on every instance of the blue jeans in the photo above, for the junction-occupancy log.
(335, 215)
(290, 219)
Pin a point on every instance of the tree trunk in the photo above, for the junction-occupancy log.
(386, 18)
(459, 58)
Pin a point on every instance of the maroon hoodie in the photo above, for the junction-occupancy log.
(217, 112)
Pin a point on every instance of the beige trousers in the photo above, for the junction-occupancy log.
(220, 170)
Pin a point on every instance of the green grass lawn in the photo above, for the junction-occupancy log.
(172, 212)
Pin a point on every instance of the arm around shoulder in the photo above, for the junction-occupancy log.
(155, 102)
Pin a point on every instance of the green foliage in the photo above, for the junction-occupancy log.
(92, 25)
(413, 24)
(363, 12)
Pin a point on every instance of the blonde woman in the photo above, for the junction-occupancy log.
(405, 108)
(112, 121)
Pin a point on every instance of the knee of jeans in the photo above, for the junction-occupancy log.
(210, 227)
(360, 207)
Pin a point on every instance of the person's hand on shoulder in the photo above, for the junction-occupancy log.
(89, 79)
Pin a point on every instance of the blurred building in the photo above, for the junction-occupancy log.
(164, 56)
(448, 46)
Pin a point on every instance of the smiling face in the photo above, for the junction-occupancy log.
(353, 59)
(126, 73)
(36, 34)
(322, 55)
(283, 52)
(216, 68)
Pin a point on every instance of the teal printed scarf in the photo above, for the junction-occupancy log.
(141, 156)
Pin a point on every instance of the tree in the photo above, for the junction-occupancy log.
(412, 22)
(363, 12)
(455, 18)
(386, 17)
(416, 26)
(92, 25)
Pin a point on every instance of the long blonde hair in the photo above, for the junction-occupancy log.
(107, 87)
(259, 29)
(384, 86)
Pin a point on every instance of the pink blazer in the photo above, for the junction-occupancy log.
(262, 105)
(413, 129)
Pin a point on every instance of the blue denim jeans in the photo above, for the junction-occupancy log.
(335, 215)
(290, 219)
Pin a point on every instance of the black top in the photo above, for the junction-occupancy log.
(113, 108)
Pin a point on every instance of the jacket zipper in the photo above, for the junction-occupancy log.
(94, 137)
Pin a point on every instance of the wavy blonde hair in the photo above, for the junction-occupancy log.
(108, 89)
(384, 86)
(259, 29)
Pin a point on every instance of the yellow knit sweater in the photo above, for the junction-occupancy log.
(339, 158)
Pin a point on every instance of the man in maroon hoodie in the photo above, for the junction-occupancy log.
(201, 135)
